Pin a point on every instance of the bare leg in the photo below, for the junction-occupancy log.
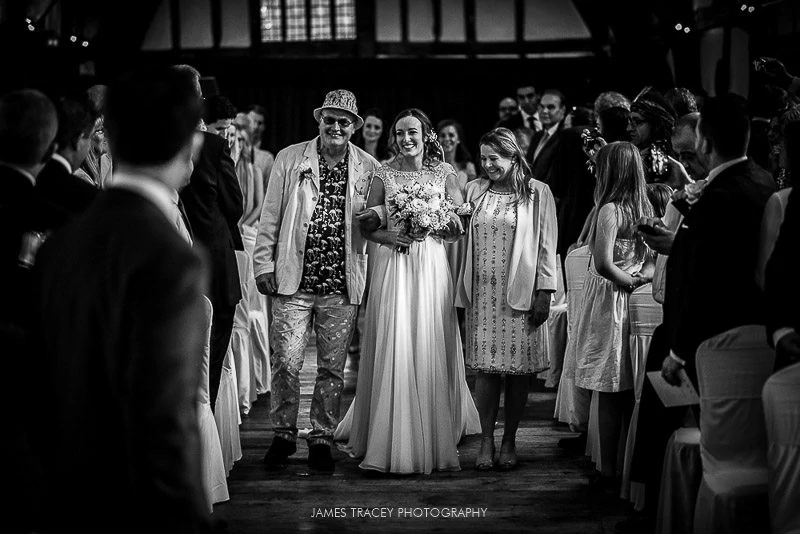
(487, 392)
(516, 398)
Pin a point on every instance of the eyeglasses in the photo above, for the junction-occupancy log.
(330, 121)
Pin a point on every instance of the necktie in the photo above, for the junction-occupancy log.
(541, 144)
(531, 123)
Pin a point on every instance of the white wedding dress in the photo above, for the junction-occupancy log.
(412, 403)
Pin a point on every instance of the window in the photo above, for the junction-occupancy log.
(325, 20)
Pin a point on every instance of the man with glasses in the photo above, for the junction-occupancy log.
(311, 258)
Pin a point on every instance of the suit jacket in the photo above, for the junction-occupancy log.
(287, 210)
(540, 167)
(119, 317)
(711, 285)
(214, 205)
(72, 194)
(781, 284)
(573, 186)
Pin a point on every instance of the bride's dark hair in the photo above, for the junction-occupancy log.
(432, 152)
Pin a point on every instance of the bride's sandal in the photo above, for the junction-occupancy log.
(508, 456)
(486, 458)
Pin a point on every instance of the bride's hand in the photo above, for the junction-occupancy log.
(403, 240)
(417, 235)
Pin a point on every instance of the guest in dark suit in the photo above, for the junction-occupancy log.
(710, 285)
(120, 334)
(543, 144)
(28, 125)
(214, 205)
(57, 183)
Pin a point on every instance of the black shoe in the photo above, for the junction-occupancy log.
(279, 452)
(576, 444)
(320, 459)
(637, 523)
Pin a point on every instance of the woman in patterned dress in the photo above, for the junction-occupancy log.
(620, 263)
(506, 281)
(412, 403)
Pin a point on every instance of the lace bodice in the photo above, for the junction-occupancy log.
(393, 180)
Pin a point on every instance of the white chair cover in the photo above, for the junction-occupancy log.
(258, 320)
(645, 315)
(557, 331)
(214, 483)
(240, 339)
(572, 403)
(781, 398)
(732, 368)
(680, 480)
(227, 414)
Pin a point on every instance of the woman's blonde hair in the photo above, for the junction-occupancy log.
(503, 141)
(621, 181)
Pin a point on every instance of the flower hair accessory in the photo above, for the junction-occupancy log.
(431, 137)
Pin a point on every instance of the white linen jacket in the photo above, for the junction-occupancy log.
(288, 206)
(533, 254)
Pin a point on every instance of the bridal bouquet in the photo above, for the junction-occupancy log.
(421, 208)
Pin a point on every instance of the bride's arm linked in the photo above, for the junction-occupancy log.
(383, 236)
(455, 229)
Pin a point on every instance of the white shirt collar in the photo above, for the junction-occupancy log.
(552, 130)
(24, 172)
(63, 161)
(719, 168)
(150, 188)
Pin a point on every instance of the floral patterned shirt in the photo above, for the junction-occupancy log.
(324, 261)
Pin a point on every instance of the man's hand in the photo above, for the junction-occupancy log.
(775, 70)
(662, 237)
(669, 370)
(540, 310)
(266, 284)
(787, 350)
(368, 220)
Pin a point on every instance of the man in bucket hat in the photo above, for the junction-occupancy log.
(311, 258)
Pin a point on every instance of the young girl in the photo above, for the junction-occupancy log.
(620, 263)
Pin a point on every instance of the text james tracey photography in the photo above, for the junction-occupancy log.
(399, 513)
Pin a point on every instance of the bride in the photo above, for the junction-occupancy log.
(412, 403)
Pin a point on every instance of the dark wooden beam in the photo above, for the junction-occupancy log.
(284, 18)
(308, 19)
(254, 10)
(437, 20)
(469, 27)
(365, 28)
(216, 22)
(404, 21)
(175, 23)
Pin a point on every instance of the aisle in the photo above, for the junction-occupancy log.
(548, 493)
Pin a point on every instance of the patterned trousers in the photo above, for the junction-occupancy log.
(333, 318)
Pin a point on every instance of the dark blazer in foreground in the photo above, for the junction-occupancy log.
(56, 185)
(213, 203)
(711, 285)
(119, 348)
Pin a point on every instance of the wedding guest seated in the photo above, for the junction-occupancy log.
(119, 334)
(77, 121)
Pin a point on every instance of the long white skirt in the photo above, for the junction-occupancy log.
(412, 403)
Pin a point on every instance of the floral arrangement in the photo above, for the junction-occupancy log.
(305, 171)
(655, 158)
(592, 143)
(421, 208)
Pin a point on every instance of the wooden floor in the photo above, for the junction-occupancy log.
(548, 493)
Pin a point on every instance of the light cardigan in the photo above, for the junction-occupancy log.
(287, 210)
(533, 254)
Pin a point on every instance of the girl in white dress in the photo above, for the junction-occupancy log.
(412, 403)
(620, 263)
